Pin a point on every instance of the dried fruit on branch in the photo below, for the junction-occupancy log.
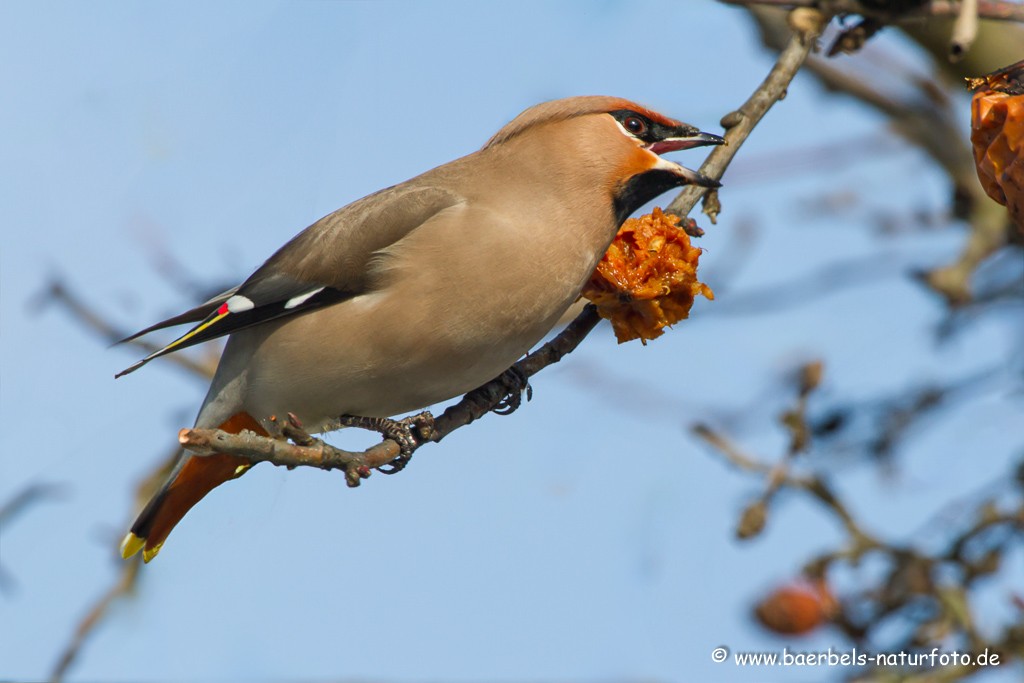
(997, 133)
(647, 279)
(797, 608)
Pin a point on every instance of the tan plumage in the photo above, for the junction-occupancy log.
(430, 288)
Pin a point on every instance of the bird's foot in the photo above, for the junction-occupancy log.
(409, 433)
(516, 382)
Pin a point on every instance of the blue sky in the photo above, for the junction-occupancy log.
(586, 537)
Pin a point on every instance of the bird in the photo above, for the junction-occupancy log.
(422, 291)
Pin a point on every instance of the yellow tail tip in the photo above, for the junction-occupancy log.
(131, 545)
(149, 553)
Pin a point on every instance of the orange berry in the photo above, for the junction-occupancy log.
(797, 608)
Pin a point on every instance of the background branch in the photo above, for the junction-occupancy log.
(932, 127)
(741, 122)
(57, 292)
(995, 10)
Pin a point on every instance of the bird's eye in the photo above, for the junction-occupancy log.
(635, 125)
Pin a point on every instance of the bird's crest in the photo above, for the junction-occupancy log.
(560, 110)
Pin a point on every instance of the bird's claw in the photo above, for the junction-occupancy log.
(516, 382)
(396, 465)
(409, 433)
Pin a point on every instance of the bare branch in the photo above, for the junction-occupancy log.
(264, 449)
(741, 122)
(127, 577)
(124, 586)
(938, 134)
(57, 292)
(915, 585)
(779, 477)
(996, 10)
(357, 465)
(33, 493)
(21, 501)
(965, 29)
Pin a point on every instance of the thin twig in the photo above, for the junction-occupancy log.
(815, 485)
(938, 133)
(33, 493)
(21, 501)
(57, 292)
(996, 10)
(124, 586)
(127, 577)
(965, 29)
(741, 122)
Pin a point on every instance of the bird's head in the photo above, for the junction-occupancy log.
(623, 140)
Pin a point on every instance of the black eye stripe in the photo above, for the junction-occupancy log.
(649, 131)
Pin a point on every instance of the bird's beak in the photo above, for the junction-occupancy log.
(695, 178)
(688, 140)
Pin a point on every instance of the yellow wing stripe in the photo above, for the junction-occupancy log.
(221, 312)
(193, 332)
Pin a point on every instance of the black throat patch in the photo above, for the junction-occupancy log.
(637, 190)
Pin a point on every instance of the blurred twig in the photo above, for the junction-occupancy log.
(965, 29)
(128, 573)
(893, 12)
(56, 292)
(153, 238)
(921, 121)
(929, 591)
(125, 585)
(18, 504)
(28, 496)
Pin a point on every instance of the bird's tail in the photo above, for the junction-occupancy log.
(192, 478)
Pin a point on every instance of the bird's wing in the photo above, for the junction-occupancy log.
(324, 264)
(198, 313)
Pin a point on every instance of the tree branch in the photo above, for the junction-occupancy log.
(19, 503)
(936, 132)
(357, 465)
(57, 292)
(740, 123)
(996, 10)
(125, 585)
(965, 29)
